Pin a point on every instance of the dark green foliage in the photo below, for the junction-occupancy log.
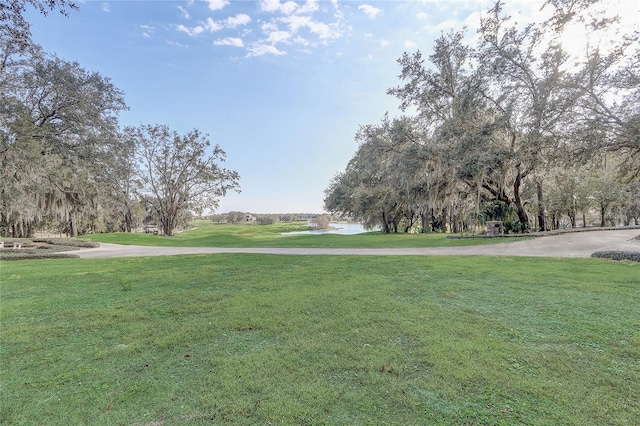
(618, 255)
(499, 210)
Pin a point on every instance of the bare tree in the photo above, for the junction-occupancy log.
(322, 222)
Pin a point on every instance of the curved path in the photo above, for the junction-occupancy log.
(578, 244)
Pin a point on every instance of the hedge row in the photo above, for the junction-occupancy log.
(52, 248)
(68, 242)
(25, 254)
(618, 255)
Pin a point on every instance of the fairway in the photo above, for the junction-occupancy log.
(260, 339)
(205, 233)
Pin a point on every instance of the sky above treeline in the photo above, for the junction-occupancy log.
(281, 86)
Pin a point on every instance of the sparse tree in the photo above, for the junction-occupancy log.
(180, 173)
(322, 222)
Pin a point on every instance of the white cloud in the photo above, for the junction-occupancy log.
(408, 44)
(445, 25)
(278, 36)
(147, 30)
(369, 10)
(217, 4)
(422, 15)
(296, 22)
(302, 41)
(175, 43)
(229, 41)
(309, 7)
(264, 49)
(322, 30)
(240, 19)
(192, 32)
(269, 5)
(185, 13)
(212, 25)
(267, 27)
(384, 43)
(106, 7)
(288, 8)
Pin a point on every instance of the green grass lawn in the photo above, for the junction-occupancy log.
(208, 234)
(259, 339)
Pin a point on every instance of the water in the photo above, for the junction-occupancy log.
(338, 228)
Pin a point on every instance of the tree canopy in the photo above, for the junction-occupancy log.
(65, 163)
(508, 118)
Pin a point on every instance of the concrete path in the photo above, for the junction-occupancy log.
(579, 244)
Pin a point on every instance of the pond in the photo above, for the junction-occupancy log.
(336, 228)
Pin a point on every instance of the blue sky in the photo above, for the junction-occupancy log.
(282, 86)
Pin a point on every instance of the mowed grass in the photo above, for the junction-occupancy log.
(293, 340)
(205, 233)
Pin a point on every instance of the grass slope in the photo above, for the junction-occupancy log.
(256, 339)
(209, 234)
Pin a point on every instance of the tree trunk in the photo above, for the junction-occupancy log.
(73, 231)
(385, 223)
(395, 222)
(128, 220)
(444, 216)
(522, 214)
(5, 226)
(602, 213)
(541, 208)
(424, 217)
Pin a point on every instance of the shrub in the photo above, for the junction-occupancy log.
(323, 222)
(68, 242)
(618, 255)
(33, 254)
(267, 219)
(53, 248)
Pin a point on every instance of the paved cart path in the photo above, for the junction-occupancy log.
(577, 244)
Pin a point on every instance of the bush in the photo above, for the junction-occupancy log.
(33, 254)
(53, 248)
(267, 219)
(618, 255)
(67, 242)
(323, 222)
